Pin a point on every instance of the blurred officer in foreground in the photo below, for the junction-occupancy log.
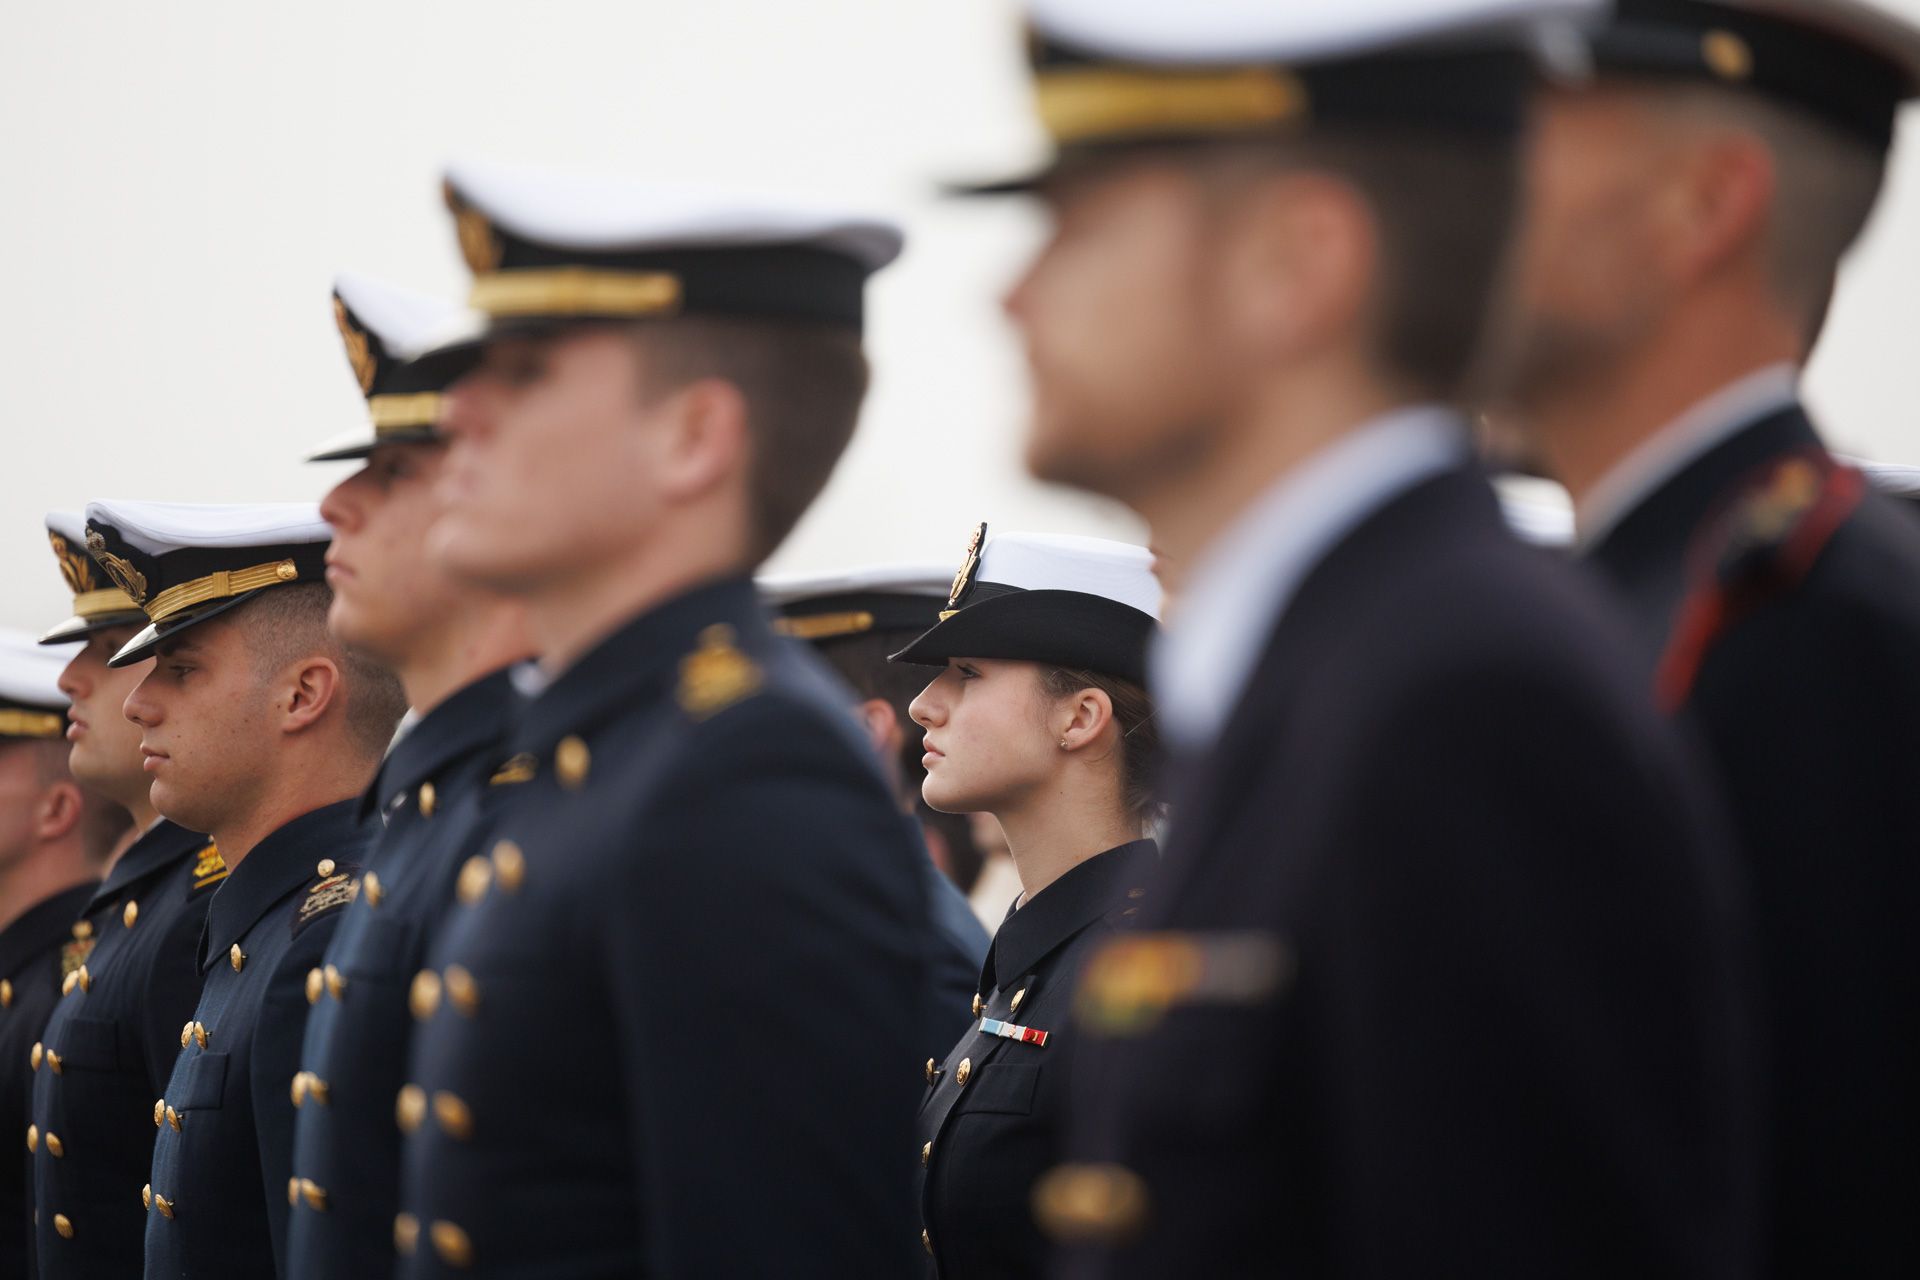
(450, 647)
(47, 873)
(1379, 1019)
(257, 728)
(1038, 718)
(115, 1035)
(854, 620)
(1692, 208)
(672, 1020)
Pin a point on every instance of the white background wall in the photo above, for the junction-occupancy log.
(180, 182)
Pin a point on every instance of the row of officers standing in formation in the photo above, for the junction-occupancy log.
(1522, 911)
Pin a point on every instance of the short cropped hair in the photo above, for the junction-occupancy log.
(1826, 184)
(1445, 206)
(803, 384)
(284, 624)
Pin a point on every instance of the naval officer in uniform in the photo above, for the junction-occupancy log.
(47, 874)
(114, 1036)
(450, 648)
(1378, 1018)
(1038, 718)
(1692, 207)
(257, 727)
(670, 1022)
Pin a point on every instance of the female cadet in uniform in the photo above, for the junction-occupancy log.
(1039, 718)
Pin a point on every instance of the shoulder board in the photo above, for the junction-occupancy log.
(209, 868)
(716, 674)
(1760, 548)
(326, 895)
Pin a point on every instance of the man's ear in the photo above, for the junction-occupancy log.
(878, 718)
(1724, 203)
(58, 812)
(313, 685)
(707, 443)
(1301, 264)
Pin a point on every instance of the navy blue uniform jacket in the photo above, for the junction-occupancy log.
(115, 1038)
(1444, 972)
(671, 1025)
(37, 952)
(354, 1060)
(1810, 708)
(217, 1203)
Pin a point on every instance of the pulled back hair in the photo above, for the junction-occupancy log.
(1139, 741)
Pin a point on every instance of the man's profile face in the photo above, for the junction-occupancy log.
(205, 713)
(387, 593)
(1118, 333)
(105, 745)
(551, 443)
(1587, 286)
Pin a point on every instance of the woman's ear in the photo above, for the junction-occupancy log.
(1088, 712)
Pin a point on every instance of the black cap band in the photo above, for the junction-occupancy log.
(1829, 75)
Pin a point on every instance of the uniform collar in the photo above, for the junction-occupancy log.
(469, 721)
(1672, 515)
(1678, 445)
(275, 868)
(1031, 932)
(1247, 577)
(641, 657)
(158, 848)
(45, 925)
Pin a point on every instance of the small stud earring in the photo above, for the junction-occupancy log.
(1063, 744)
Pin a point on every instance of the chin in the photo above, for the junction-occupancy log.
(178, 805)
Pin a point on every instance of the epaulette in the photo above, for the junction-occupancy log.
(333, 887)
(716, 674)
(1760, 548)
(209, 868)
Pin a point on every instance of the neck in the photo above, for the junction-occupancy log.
(39, 875)
(457, 655)
(1584, 426)
(1057, 831)
(1277, 429)
(567, 617)
(294, 794)
(140, 809)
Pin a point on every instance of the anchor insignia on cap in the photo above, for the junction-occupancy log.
(963, 580)
(359, 350)
(124, 575)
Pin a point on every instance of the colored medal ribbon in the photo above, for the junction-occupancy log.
(1013, 1031)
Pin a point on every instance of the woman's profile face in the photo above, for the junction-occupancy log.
(989, 741)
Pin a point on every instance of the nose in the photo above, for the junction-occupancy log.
(338, 508)
(140, 706)
(73, 681)
(927, 708)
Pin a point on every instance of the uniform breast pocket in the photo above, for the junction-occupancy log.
(90, 1044)
(201, 1083)
(1004, 1088)
(383, 951)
